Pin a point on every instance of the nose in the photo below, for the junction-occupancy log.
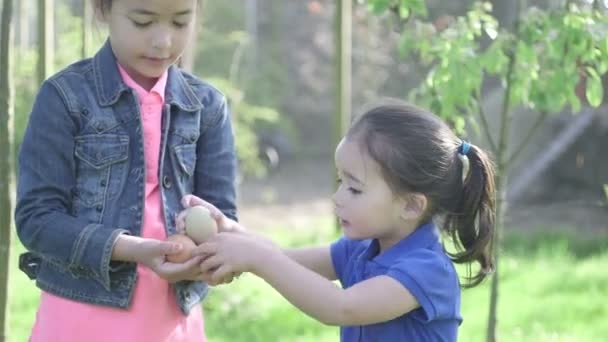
(335, 198)
(162, 39)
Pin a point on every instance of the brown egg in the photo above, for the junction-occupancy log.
(187, 246)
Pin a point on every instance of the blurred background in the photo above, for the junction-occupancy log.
(278, 62)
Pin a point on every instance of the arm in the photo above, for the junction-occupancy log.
(371, 301)
(375, 300)
(216, 159)
(47, 176)
(316, 259)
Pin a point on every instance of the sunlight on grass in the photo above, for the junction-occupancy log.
(552, 289)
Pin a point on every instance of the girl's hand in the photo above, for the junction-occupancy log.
(224, 224)
(228, 254)
(152, 254)
(173, 272)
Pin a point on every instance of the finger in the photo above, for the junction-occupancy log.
(191, 200)
(222, 272)
(205, 249)
(228, 279)
(210, 264)
(193, 263)
(180, 221)
(175, 269)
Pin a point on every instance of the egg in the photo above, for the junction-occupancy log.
(186, 252)
(199, 224)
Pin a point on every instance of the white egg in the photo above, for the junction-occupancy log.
(199, 224)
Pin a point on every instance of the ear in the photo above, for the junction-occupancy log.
(414, 206)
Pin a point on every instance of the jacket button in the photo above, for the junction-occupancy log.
(103, 182)
(166, 182)
(99, 208)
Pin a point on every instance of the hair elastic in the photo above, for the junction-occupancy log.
(463, 150)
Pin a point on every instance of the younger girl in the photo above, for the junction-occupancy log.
(113, 144)
(404, 178)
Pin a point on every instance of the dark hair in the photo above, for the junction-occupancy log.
(418, 152)
(105, 5)
(102, 5)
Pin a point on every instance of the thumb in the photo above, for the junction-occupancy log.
(191, 200)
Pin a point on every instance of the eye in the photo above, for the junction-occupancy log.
(141, 24)
(180, 25)
(354, 191)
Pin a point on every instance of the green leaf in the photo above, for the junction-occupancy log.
(595, 90)
(404, 12)
(606, 190)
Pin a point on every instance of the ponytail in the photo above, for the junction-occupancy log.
(471, 224)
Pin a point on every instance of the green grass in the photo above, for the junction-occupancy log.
(553, 288)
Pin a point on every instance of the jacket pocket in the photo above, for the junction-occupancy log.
(100, 166)
(185, 155)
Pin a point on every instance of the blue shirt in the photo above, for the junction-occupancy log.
(421, 265)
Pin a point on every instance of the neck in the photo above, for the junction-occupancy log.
(404, 230)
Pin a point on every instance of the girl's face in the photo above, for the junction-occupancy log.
(147, 36)
(364, 203)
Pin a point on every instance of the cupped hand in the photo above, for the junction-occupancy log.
(153, 255)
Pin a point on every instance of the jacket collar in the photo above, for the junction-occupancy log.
(110, 86)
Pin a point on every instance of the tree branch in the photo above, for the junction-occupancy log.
(539, 120)
(484, 122)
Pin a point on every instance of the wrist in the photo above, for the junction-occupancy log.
(265, 256)
(126, 247)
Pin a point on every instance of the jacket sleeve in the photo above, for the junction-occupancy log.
(216, 164)
(46, 181)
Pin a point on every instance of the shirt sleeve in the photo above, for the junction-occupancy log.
(432, 280)
(341, 252)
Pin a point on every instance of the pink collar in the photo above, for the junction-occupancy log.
(159, 87)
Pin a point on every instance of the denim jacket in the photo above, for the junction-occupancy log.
(82, 176)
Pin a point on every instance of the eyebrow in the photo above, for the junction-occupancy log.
(148, 12)
(352, 177)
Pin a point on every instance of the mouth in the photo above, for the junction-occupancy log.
(344, 223)
(157, 60)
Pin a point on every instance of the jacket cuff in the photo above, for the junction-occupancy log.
(92, 253)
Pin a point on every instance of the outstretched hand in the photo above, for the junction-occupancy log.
(230, 253)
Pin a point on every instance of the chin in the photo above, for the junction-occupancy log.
(354, 236)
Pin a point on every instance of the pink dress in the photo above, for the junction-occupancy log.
(153, 315)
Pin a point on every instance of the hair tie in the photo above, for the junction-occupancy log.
(463, 150)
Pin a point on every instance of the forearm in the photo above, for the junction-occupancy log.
(125, 248)
(316, 259)
(315, 295)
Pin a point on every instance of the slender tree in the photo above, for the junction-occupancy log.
(87, 18)
(45, 38)
(6, 158)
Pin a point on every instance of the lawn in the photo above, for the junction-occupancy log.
(554, 287)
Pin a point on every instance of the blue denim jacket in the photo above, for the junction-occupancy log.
(82, 176)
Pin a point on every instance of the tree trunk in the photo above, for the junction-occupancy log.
(45, 39)
(6, 159)
(24, 24)
(87, 17)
